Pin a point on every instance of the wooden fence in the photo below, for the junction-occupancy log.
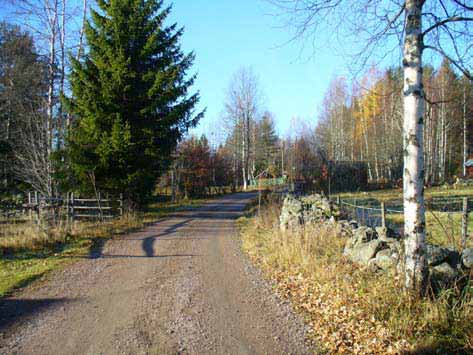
(73, 207)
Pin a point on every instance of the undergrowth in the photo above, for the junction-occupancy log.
(350, 309)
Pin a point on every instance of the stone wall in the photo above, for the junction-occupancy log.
(306, 210)
(377, 249)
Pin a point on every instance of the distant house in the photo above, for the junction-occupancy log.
(469, 168)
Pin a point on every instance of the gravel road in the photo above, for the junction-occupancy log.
(181, 286)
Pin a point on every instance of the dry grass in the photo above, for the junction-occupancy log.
(396, 194)
(28, 251)
(352, 310)
(30, 236)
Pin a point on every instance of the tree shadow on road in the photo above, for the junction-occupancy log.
(13, 310)
(148, 242)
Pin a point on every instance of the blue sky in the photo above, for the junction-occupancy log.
(229, 34)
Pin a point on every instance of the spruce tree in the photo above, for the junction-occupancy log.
(130, 98)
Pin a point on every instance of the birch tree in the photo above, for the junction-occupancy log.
(242, 107)
(22, 122)
(54, 29)
(443, 27)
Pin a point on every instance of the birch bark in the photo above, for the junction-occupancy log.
(413, 174)
(465, 132)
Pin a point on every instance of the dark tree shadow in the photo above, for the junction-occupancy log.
(13, 310)
(148, 242)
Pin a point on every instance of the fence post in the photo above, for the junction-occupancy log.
(383, 215)
(72, 208)
(259, 197)
(99, 203)
(120, 209)
(37, 207)
(464, 222)
(30, 215)
(67, 210)
(355, 212)
(107, 197)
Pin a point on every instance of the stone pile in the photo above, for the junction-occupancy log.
(374, 247)
(379, 248)
(306, 210)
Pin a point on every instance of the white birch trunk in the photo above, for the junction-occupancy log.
(413, 174)
(465, 133)
(82, 29)
(62, 41)
(368, 158)
(244, 157)
(375, 148)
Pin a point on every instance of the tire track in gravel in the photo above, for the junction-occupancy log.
(181, 286)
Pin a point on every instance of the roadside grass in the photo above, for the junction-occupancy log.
(28, 253)
(351, 310)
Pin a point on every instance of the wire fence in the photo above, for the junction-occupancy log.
(448, 219)
(370, 215)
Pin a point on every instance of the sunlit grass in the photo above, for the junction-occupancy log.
(350, 309)
(443, 228)
(396, 194)
(28, 251)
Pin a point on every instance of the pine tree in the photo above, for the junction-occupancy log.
(266, 145)
(130, 98)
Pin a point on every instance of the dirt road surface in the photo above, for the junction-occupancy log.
(181, 286)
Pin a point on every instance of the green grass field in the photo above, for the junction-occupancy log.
(396, 194)
(443, 228)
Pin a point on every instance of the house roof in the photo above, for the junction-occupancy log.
(469, 163)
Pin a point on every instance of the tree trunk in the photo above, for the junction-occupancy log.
(442, 147)
(413, 175)
(62, 41)
(244, 158)
(368, 158)
(465, 133)
(375, 149)
(82, 29)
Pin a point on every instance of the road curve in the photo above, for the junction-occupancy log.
(181, 286)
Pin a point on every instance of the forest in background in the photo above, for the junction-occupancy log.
(364, 123)
(92, 98)
(359, 129)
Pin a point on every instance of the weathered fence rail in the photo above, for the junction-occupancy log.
(72, 207)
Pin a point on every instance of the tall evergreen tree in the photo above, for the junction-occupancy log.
(130, 97)
(266, 145)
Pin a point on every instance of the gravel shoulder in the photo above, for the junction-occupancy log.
(181, 286)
